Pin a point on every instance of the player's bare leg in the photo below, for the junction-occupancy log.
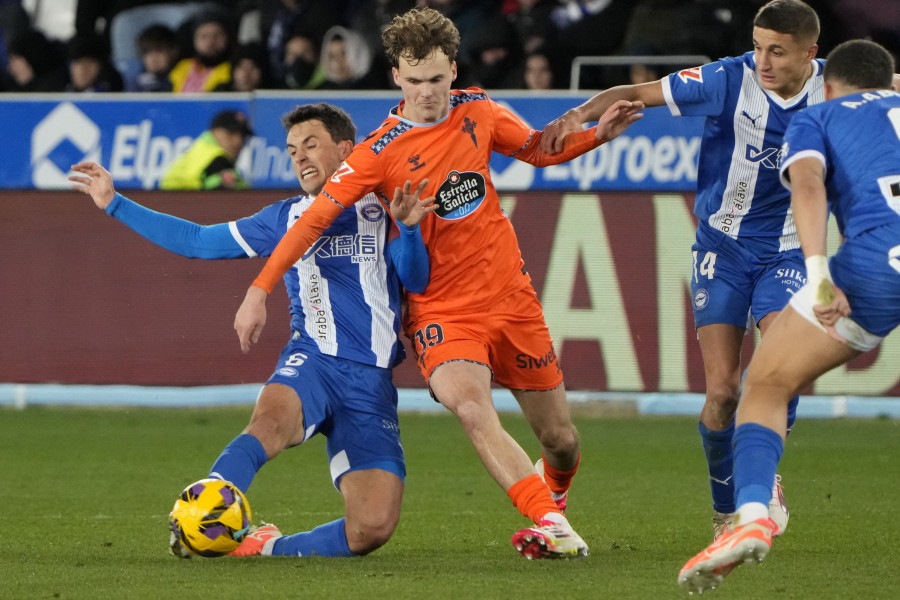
(798, 353)
(277, 420)
(372, 500)
(790, 357)
(720, 345)
(550, 419)
(465, 389)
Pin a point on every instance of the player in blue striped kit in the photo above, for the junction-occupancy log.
(746, 257)
(334, 375)
(842, 155)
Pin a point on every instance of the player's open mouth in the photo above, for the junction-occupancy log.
(310, 172)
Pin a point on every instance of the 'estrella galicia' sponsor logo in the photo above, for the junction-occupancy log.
(287, 372)
(373, 212)
(523, 361)
(701, 299)
(469, 127)
(460, 194)
(768, 157)
(414, 161)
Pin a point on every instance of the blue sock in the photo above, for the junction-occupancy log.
(240, 461)
(757, 450)
(720, 462)
(329, 539)
(792, 412)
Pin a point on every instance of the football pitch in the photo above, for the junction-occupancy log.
(86, 493)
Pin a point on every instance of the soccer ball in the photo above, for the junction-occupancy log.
(210, 517)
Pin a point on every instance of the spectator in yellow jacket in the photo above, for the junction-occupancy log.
(209, 164)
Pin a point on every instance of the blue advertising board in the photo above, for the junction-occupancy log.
(136, 136)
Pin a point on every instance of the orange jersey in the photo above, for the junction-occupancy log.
(473, 251)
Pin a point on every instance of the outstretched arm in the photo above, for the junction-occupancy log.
(616, 119)
(573, 120)
(251, 315)
(408, 251)
(176, 235)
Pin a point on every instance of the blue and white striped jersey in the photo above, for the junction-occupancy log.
(862, 171)
(739, 192)
(345, 294)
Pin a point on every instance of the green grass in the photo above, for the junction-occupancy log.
(86, 492)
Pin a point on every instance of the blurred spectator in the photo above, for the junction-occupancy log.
(158, 48)
(209, 66)
(542, 70)
(670, 27)
(496, 59)
(591, 28)
(209, 163)
(127, 25)
(532, 21)
(469, 16)
(97, 16)
(346, 60)
(300, 64)
(369, 17)
(280, 19)
(878, 20)
(90, 69)
(36, 64)
(249, 70)
(13, 19)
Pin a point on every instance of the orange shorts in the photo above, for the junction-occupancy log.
(510, 338)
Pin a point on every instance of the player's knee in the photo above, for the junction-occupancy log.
(723, 397)
(471, 413)
(273, 432)
(562, 440)
(367, 535)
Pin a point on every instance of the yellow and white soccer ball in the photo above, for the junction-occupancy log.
(210, 517)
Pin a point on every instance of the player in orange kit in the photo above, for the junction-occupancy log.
(479, 317)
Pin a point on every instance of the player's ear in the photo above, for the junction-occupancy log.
(453, 71)
(345, 147)
(396, 73)
(813, 50)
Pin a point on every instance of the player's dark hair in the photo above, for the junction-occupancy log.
(861, 64)
(791, 17)
(414, 35)
(336, 121)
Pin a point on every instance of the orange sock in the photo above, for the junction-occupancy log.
(531, 497)
(559, 481)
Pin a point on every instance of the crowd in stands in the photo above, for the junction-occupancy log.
(244, 45)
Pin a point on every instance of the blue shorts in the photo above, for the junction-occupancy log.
(352, 404)
(733, 280)
(863, 269)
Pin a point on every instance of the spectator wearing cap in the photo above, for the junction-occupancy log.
(209, 66)
(90, 68)
(209, 163)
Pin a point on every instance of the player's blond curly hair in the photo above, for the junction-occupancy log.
(414, 35)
